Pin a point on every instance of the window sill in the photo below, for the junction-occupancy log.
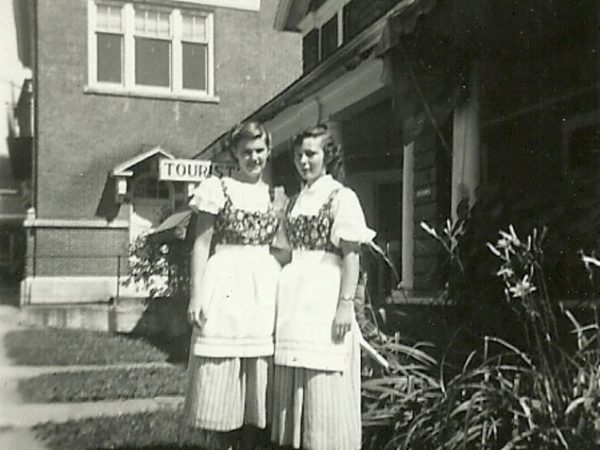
(183, 96)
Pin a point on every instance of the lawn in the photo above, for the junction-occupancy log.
(146, 431)
(106, 384)
(49, 347)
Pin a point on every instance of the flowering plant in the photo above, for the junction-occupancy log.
(541, 393)
(158, 268)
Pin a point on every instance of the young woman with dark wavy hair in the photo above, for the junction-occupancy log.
(316, 388)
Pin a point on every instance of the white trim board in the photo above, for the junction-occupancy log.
(365, 81)
(74, 289)
(75, 223)
(244, 5)
(12, 217)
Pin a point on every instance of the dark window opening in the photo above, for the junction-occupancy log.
(152, 62)
(329, 37)
(310, 50)
(110, 60)
(194, 60)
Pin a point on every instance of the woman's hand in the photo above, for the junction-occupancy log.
(342, 322)
(195, 315)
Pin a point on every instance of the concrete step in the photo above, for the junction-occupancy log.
(30, 414)
(125, 316)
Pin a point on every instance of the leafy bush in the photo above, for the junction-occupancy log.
(543, 394)
(160, 268)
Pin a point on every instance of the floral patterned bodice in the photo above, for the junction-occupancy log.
(312, 232)
(234, 226)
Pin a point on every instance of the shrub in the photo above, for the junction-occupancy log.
(542, 394)
(162, 269)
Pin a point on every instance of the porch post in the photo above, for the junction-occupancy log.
(465, 145)
(408, 213)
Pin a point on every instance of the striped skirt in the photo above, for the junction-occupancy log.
(318, 410)
(224, 394)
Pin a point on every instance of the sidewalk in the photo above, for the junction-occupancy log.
(16, 416)
(11, 437)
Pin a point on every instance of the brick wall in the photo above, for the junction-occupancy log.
(82, 136)
(80, 252)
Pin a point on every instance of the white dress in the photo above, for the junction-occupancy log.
(231, 355)
(317, 380)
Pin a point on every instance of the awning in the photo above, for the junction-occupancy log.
(429, 45)
(425, 89)
(487, 28)
(173, 228)
(402, 22)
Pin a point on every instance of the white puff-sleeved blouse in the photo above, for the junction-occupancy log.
(210, 197)
(321, 216)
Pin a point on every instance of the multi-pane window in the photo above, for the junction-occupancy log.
(323, 31)
(194, 50)
(150, 187)
(109, 44)
(152, 48)
(140, 48)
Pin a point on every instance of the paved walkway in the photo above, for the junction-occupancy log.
(8, 372)
(10, 436)
(30, 414)
(16, 416)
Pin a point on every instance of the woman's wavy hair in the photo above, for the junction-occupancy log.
(246, 130)
(334, 155)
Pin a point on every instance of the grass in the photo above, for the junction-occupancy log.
(107, 384)
(145, 431)
(49, 347)
(149, 431)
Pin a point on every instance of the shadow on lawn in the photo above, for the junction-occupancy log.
(164, 326)
(176, 347)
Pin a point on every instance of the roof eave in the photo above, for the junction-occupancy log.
(289, 13)
(125, 168)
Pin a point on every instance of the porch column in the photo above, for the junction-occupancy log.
(408, 213)
(465, 145)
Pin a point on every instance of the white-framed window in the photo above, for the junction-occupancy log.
(143, 49)
(323, 32)
(330, 10)
(150, 187)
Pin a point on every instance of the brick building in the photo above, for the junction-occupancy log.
(13, 71)
(117, 85)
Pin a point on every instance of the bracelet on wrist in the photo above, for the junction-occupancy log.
(347, 298)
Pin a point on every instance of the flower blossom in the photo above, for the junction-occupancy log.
(505, 272)
(522, 288)
(428, 229)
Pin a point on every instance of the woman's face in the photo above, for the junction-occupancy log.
(252, 155)
(309, 159)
